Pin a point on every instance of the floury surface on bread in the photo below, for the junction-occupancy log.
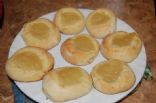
(29, 64)
(66, 83)
(121, 45)
(112, 76)
(41, 33)
(80, 49)
(101, 22)
(69, 21)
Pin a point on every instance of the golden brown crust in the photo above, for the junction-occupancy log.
(53, 87)
(101, 26)
(70, 28)
(29, 69)
(122, 51)
(123, 83)
(76, 56)
(49, 41)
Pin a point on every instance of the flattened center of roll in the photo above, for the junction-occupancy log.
(70, 18)
(69, 76)
(83, 43)
(99, 18)
(27, 61)
(39, 30)
(122, 40)
(110, 71)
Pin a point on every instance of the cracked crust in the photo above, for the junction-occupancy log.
(76, 56)
(126, 51)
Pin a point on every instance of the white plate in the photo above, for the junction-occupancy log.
(34, 89)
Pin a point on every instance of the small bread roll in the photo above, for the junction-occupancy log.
(29, 64)
(69, 21)
(41, 33)
(101, 22)
(66, 83)
(112, 76)
(121, 45)
(80, 50)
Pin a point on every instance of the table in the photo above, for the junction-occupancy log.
(139, 14)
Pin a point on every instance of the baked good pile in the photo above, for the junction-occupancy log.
(111, 76)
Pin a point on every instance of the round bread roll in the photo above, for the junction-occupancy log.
(112, 76)
(66, 83)
(101, 22)
(80, 49)
(121, 45)
(69, 21)
(41, 33)
(29, 64)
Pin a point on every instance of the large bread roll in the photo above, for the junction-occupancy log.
(29, 64)
(112, 76)
(66, 83)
